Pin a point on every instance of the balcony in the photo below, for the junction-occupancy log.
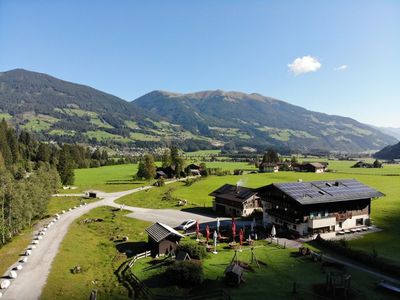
(322, 222)
(340, 217)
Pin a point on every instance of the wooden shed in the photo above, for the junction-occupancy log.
(234, 275)
(162, 239)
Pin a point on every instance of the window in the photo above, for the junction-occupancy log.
(340, 224)
(359, 222)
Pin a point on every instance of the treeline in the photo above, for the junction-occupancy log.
(26, 182)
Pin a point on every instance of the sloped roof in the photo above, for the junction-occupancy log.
(233, 192)
(314, 192)
(159, 231)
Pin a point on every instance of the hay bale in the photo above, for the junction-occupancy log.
(1, 294)
(13, 274)
(4, 284)
(24, 260)
(18, 267)
(28, 252)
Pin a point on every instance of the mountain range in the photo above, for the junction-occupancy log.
(69, 112)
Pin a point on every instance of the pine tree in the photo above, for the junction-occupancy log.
(147, 167)
(65, 167)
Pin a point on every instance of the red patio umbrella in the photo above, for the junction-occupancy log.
(197, 229)
(207, 233)
(233, 228)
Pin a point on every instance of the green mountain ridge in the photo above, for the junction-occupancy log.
(389, 152)
(262, 120)
(58, 110)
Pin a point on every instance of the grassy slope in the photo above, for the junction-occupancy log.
(9, 254)
(274, 281)
(89, 246)
(107, 179)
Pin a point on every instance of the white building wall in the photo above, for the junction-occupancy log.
(351, 223)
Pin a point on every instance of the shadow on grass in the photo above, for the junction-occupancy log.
(131, 248)
(157, 281)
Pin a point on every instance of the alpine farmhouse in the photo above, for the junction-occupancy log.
(305, 208)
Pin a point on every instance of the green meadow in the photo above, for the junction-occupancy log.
(107, 179)
(274, 279)
(89, 246)
(97, 249)
(384, 211)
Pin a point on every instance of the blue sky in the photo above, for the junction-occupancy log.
(129, 48)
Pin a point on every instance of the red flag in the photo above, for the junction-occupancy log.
(197, 228)
(241, 233)
(233, 229)
(207, 233)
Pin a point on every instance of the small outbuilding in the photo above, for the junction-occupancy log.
(234, 275)
(162, 239)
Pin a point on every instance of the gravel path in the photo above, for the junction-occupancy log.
(32, 278)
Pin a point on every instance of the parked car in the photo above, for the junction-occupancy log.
(186, 225)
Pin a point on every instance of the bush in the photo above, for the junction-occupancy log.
(185, 273)
(194, 250)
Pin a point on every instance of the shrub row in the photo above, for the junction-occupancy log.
(371, 259)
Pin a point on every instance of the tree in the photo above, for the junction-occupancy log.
(293, 160)
(377, 164)
(65, 167)
(43, 153)
(271, 156)
(166, 158)
(177, 162)
(147, 167)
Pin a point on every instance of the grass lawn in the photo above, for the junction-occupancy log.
(107, 179)
(385, 211)
(9, 253)
(88, 245)
(271, 281)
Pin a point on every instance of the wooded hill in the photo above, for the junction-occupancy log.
(389, 152)
(58, 110)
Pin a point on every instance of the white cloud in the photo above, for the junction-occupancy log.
(304, 64)
(341, 68)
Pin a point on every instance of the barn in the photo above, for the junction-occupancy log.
(162, 239)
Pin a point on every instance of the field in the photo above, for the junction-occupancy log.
(385, 211)
(274, 280)
(107, 179)
(88, 246)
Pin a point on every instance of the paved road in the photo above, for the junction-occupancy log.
(32, 278)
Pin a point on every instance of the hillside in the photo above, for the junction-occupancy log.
(63, 111)
(69, 112)
(393, 131)
(389, 152)
(252, 119)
